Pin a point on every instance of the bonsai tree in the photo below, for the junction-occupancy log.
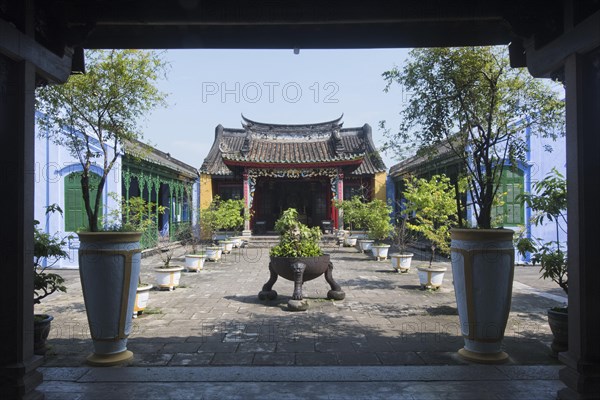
(469, 101)
(50, 248)
(433, 204)
(378, 221)
(100, 110)
(297, 239)
(548, 202)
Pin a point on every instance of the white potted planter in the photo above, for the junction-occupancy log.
(220, 236)
(483, 270)
(350, 241)
(237, 241)
(380, 251)
(141, 299)
(431, 277)
(213, 253)
(168, 278)
(401, 262)
(109, 268)
(195, 262)
(226, 245)
(365, 244)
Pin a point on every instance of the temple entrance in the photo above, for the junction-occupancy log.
(275, 195)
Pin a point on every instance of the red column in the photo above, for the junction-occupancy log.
(340, 196)
(246, 184)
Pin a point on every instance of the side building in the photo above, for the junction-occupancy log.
(542, 156)
(140, 171)
(307, 167)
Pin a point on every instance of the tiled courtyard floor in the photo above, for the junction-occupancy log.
(216, 319)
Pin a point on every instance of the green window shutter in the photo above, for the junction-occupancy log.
(74, 211)
(511, 185)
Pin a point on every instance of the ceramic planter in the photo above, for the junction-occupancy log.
(559, 325)
(41, 329)
(237, 241)
(365, 244)
(431, 277)
(168, 278)
(109, 268)
(226, 245)
(350, 241)
(401, 262)
(195, 262)
(213, 253)
(220, 236)
(380, 251)
(141, 299)
(483, 269)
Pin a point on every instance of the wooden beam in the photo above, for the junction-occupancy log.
(544, 62)
(20, 47)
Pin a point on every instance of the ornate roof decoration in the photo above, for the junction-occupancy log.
(307, 145)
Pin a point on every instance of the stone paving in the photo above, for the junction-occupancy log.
(216, 319)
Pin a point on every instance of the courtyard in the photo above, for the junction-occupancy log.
(214, 318)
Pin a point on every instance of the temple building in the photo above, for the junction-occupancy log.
(307, 167)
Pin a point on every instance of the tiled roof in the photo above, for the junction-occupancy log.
(442, 154)
(155, 156)
(260, 143)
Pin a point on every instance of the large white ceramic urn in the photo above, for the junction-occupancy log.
(483, 270)
(109, 268)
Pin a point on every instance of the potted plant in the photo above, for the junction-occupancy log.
(379, 227)
(194, 259)
(550, 202)
(478, 113)
(433, 205)
(167, 275)
(47, 251)
(142, 296)
(354, 218)
(94, 115)
(402, 238)
(299, 258)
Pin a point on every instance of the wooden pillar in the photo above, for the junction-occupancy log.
(582, 372)
(18, 375)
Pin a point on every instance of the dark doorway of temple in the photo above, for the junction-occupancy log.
(276, 195)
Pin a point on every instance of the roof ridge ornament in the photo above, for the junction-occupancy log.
(337, 142)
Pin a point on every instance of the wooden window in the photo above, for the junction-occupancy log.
(74, 210)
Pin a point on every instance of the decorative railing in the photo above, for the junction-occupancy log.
(150, 236)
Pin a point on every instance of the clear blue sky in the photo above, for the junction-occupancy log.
(211, 87)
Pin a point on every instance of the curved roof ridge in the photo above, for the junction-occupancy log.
(256, 123)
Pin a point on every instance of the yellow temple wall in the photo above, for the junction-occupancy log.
(206, 194)
(379, 186)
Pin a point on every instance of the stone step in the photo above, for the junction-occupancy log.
(268, 241)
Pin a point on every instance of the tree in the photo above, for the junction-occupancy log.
(470, 101)
(101, 109)
(433, 204)
(549, 201)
